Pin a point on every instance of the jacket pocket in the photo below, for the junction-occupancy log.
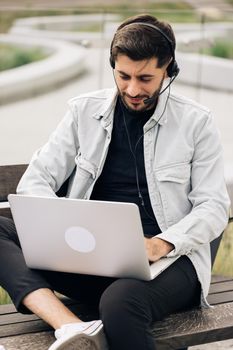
(177, 173)
(174, 185)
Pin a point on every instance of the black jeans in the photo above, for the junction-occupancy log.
(127, 307)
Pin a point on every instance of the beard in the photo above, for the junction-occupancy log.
(145, 107)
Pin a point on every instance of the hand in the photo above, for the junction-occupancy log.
(156, 248)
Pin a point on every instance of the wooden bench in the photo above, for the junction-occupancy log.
(181, 330)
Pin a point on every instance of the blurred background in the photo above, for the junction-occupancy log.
(51, 51)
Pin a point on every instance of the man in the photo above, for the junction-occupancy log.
(142, 144)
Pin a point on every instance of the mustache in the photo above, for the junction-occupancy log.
(137, 96)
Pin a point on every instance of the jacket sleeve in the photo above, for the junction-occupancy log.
(54, 162)
(208, 195)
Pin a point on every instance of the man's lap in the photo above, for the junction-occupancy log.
(174, 289)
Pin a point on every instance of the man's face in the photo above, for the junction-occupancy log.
(138, 80)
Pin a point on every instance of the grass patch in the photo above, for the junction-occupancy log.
(8, 17)
(127, 8)
(89, 27)
(220, 48)
(224, 260)
(14, 56)
(4, 297)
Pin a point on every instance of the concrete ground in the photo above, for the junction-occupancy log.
(26, 125)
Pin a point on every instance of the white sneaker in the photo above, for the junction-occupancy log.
(80, 336)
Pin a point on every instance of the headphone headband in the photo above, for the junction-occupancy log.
(158, 30)
(172, 69)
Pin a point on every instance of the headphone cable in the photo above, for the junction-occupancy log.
(133, 152)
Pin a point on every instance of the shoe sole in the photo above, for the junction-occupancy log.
(91, 339)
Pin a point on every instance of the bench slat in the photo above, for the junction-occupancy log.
(9, 178)
(221, 287)
(181, 326)
(176, 331)
(219, 279)
(35, 341)
(215, 299)
(195, 327)
(25, 327)
(5, 212)
(11, 319)
(7, 309)
(13, 323)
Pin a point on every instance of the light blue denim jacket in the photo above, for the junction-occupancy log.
(183, 162)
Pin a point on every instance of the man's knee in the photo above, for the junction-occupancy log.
(124, 311)
(124, 297)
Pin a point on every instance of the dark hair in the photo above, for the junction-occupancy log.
(140, 42)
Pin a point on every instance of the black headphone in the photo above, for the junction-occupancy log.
(172, 69)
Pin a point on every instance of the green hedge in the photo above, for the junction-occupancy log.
(221, 48)
(224, 260)
(14, 56)
(4, 297)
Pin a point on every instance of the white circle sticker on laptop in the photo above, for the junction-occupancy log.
(80, 239)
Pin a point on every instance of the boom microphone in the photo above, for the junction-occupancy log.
(152, 99)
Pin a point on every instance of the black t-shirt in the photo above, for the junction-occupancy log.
(117, 181)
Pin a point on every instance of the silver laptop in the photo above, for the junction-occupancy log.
(83, 236)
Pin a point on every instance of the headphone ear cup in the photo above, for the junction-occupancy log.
(112, 63)
(173, 69)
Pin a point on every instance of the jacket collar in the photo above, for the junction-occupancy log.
(159, 115)
(105, 114)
